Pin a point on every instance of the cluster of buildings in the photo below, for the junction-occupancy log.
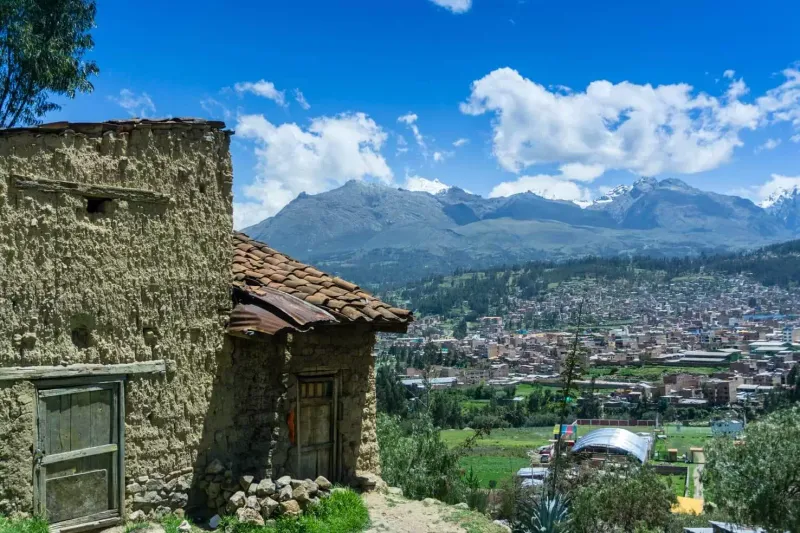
(716, 340)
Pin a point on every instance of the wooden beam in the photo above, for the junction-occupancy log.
(81, 370)
(78, 454)
(92, 191)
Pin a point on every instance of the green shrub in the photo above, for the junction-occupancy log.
(23, 525)
(418, 461)
(342, 512)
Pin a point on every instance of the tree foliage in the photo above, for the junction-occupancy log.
(418, 461)
(42, 49)
(757, 481)
(488, 291)
(625, 499)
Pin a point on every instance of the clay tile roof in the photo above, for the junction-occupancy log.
(259, 271)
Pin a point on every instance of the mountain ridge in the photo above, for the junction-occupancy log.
(375, 234)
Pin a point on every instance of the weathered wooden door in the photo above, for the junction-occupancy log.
(78, 460)
(316, 425)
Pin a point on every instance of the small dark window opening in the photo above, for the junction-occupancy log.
(81, 337)
(98, 205)
(202, 188)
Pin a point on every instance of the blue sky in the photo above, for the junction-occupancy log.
(563, 98)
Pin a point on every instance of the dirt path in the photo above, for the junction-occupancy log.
(698, 484)
(395, 514)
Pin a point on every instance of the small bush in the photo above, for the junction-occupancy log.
(342, 512)
(418, 461)
(23, 525)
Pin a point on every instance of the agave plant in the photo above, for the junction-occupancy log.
(548, 514)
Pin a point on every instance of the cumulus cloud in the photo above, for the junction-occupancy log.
(137, 105)
(418, 183)
(581, 172)
(263, 88)
(455, 6)
(795, 138)
(782, 104)
(301, 99)
(544, 185)
(293, 159)
(645, 129)
(766, 193)
(460, 142)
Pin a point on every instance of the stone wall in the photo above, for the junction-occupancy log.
(246, 431)
(118, 280)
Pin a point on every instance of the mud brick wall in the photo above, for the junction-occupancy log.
(246, 429)
(115, 280)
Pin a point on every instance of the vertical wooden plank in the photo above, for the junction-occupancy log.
(324, 463)
(80, 421)
(100, 418)
(64, 423)
(50, 425)
(335, 423)
(297, 425)
(38, 471)
(118, 416)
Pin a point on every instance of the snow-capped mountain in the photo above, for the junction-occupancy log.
(779, 195)
(784, 204)
(420, 184)
(608, 197)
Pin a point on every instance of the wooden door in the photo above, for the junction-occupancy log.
(316, 428)
(78, 460)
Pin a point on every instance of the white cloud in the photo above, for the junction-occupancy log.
(729, 74)
(402, 145)
(410, 120)
(291, 160)
(441, 156)
(782, 104)
(262, 88)
(216, 109)
(418, 183)
(301, 99)
(544, 185)
(460, 142)
(769, 144)
(766, 193)
(456, 6)
(795, 138)
(137, 105)
(645, 129)
(581, 172)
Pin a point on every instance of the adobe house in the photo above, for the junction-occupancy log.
(151, 360)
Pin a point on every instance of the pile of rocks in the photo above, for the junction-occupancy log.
(253, 501)
(156, 495)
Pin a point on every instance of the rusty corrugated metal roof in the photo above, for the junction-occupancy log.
(247, 317)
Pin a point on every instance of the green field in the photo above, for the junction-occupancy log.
(499, 455)
(526, 389)
(505, 439)
(676, 482)
(493, 468)
(684, 438)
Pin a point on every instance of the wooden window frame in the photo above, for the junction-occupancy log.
(48, 387)
(333, 377)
